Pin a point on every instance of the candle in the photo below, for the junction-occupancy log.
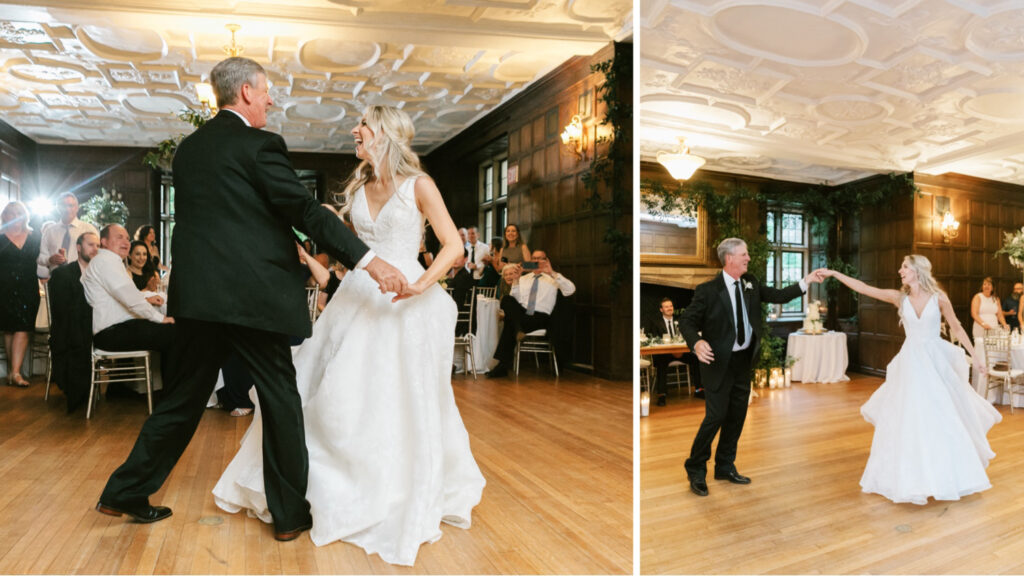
(645, 403)
(788, 374)
(775, 380)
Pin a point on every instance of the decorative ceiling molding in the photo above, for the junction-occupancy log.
(116, 73)
(836, 91)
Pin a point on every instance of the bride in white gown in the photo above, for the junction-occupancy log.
(389, 457)
(930, 424)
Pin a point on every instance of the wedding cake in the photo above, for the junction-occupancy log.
(812, 321)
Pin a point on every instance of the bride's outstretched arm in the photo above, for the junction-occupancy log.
(431, 204)
(956, 329)
(890, 296)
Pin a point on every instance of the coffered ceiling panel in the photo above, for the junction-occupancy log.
(118, 72)
(829, 92)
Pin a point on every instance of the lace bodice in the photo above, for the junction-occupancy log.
(398, 230)
(928, 325)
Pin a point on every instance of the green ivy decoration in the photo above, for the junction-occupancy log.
(609, 170)
(160, 159)
(105, 208)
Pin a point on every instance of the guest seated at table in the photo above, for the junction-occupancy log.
(152, 288)
(123, 319)
(1011, 306)
(531, 305)
(460, 281)
(490, 277)
(140, 264)
(660, 325)
(986, 311)
(71, 324)
(147, 235)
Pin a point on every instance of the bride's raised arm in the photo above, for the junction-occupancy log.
(431, 204)
(890, 296)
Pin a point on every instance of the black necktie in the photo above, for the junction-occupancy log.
(741, 336)
(671, 332)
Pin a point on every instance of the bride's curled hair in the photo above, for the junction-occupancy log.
(922, 267)
(390, 152)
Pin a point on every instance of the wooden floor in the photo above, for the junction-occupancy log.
(805, 449)
(557, 457)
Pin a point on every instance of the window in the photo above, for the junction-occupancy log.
(493, 206)
(787, 262)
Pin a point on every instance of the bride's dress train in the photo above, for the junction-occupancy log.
(930, 424)
(389, 457)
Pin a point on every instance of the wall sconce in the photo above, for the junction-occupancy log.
(572, 137)
(681, 165)
(204, 92)
(950, 227)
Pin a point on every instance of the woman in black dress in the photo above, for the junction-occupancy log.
(19, 286)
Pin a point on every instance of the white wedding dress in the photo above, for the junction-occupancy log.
(930, 424)
(389, 457)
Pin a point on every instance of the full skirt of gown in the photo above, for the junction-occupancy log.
(389, 456)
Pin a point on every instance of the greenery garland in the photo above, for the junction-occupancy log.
(160, 159)
(610, 168)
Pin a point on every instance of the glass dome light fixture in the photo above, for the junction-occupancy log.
(681, 165)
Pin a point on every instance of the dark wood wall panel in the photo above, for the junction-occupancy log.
(549, 200)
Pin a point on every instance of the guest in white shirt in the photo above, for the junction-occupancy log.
(122, 318)
(529, 306)
(59, 244)
(479, 254)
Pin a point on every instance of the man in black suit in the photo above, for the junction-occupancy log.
(665, 323)
(723, 325)
(237, 200)
(71, 324)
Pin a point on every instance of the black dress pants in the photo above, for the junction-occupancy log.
(199, 350)
(516, 320)
(725, 409)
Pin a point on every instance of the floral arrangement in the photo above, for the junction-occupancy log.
(105, 208)
(1013, 246)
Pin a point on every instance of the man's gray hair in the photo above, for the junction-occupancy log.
(729, 246)
(228, 76)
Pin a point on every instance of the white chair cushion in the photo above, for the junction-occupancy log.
(1003, 373)
(542, 332)
(645, 363)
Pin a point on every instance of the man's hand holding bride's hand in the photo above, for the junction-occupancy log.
(389, 278)
(703, 352)
(818, 275)
(414, 289)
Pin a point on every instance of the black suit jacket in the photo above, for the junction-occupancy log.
(710, 314)
(655, 325)
(234, 257)
(70, 333)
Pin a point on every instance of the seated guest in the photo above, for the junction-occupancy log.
(147, 235)
(153, 288)
(665, 323)
(460, 281)
(122, 318)
(530, 306)
(71, 324)
(140, 265)
(490, 275)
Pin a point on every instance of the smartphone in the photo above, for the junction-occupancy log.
(529, 265)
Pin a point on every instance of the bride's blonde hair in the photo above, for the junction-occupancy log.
(390, 151)
(922, 267)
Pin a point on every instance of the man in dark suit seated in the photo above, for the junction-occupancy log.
(530, 305)
(660, 325)
(460, 280)
(71, 324)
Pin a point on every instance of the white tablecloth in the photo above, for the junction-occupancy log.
(980, 381)
(488, 328)
(820, 358)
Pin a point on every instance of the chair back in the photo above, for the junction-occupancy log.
(488, 292)
(997, 350)
(312, 297)
(466, 310)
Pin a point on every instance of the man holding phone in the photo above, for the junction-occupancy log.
(59, 244)
(528, 307)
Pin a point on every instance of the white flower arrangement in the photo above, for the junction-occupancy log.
(1013, 246)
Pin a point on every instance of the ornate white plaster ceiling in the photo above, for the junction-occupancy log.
(829, 92)
(117, 72)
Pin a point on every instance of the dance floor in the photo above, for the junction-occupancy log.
(557, 456)
(805, 448)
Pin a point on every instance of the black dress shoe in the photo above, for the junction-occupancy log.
(698, 486)
(733, 477)
(661, 399)
(499, 371)
(291, 534)
(143, 514)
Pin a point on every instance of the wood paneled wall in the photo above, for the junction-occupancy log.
(548, 201)
(17, 160)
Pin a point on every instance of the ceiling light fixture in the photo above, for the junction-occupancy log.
(681, 165)
(204, 91)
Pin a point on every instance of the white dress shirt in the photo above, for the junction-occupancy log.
(53, 237)
(370, 254)
(547, 290)
(477, 253)
(112, 294)
(730, 284)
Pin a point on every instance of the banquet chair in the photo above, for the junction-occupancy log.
(465, 341)
(645, 375)
(40, 343)
(111, 367)
(679, 373)
(488, 292)
(312, 296)
(538, 343)
(49, 353)
(1001, 372)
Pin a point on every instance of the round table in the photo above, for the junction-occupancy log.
(488, 328)
(819, 357)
